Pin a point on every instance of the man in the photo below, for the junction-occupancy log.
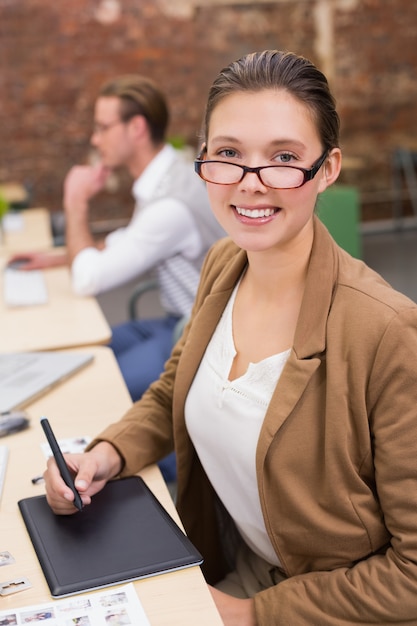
(170, 231)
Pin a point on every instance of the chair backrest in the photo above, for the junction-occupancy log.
(143, 287)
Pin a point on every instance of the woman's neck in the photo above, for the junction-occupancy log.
(276, 275)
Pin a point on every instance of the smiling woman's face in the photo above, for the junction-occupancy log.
(268, 127)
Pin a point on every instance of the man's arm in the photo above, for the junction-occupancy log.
(27, 261)
(81, 184)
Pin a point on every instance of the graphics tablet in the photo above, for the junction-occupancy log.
(123, 535)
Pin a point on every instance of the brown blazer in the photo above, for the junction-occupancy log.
(337, 454)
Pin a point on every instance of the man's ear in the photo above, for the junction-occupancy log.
(331, 169)
(139, 125)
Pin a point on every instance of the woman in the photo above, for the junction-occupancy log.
(292, 395)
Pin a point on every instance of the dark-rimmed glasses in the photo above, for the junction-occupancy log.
(273, 176)
(99, 129)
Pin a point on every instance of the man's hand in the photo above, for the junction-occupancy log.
(27, 261)
(81, 184)
(234, 611)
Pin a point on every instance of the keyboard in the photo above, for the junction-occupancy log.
(4, 454)
(24, 288)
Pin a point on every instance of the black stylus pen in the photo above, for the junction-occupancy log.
(60, 461)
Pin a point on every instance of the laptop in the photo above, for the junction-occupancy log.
(26, 375)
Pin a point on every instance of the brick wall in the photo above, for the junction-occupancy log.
(55, 55)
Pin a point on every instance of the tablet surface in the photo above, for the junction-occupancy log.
(123, 535)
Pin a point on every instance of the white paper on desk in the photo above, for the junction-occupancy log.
(71, 445)
(115, 606)
(12, 222)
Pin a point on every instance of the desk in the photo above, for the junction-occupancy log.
(83, 405)
(66, 320)
(34, 235)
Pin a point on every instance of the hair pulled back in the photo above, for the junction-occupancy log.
(274, 69)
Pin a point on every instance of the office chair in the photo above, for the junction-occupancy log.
(143, 287)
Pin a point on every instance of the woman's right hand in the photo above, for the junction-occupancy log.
(91, 472)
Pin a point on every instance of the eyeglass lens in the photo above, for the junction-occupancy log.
(99, 128)
(228, 174)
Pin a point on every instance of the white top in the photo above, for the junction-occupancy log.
(157, 231)
(224, 419)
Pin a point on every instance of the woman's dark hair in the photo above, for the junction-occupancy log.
(140, 96)
(273, 69)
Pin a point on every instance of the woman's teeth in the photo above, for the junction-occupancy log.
(254, 213)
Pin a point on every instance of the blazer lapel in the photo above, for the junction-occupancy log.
(309, 341)
(294, 379)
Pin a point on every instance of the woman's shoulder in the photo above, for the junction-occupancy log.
(364, 283)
